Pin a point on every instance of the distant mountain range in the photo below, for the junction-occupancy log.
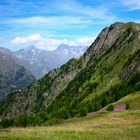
(40, 62)
(21, 68)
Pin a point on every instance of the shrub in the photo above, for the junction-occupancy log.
(22, 120)
(63, 113)
(37, 121)
(90, 107)
(110, 107)
(127, 105)
(96, 105)
(83, 111)
(6, 123)
(43, 115)
(53, 121)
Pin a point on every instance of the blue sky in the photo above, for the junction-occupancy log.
(48, 23)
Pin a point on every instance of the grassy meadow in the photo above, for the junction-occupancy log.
(120, 125)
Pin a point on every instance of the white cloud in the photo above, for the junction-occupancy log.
(55, 22)
(132, 4)
(25, 40)
(46, 20)
(83, 41)
(50, 44)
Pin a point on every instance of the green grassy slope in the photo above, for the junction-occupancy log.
(133, 100)
(123, 125)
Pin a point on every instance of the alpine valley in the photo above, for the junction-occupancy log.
(18, 69)
(108, 73)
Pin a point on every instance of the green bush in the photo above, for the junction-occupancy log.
(6, 123)
(53, 121)
(83, 112)
(43, 115)
(62, 113)
(37, 121)
(90, 107)
(127, 105)
(110, 107)
(96, 106)
(22, 120)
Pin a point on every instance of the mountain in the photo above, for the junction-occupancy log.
(18, 59)
(42, 61)
(38, 62)
(12, 76)
(107, 71)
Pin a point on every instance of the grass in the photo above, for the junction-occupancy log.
(123, 125)
(132, 99)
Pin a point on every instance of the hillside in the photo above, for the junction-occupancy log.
(12, 76)
(106, 126)
(108, 71)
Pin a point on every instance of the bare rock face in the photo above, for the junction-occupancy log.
(106, 39)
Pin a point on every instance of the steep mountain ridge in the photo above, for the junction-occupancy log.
(18, 59)
(103, 82)
(107, 71)
(12, 76)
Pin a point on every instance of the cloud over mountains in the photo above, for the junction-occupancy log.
(50, 44)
